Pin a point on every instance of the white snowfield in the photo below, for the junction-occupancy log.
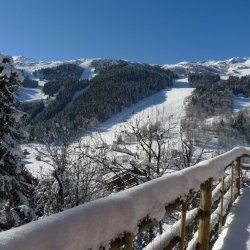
(96, 223)
(30, 65)
(89, 72)
(236, 231)
(241, 102)
(32, 94)
(38, 168)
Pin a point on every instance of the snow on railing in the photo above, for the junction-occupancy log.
(112, 221)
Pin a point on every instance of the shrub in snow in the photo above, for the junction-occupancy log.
(14, 188)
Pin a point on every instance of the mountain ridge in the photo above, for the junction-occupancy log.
(238, 66)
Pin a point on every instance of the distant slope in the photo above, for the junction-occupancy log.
(80, 103)
(91, 67)
(33, 68)
(160, 106)
(166, 106)
(110, 86)
(235, 66)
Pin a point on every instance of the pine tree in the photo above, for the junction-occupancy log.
(15, 189)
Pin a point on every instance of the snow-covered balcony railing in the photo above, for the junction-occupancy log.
(114, 221)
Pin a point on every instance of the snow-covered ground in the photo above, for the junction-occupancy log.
(235, 66)
(158, 107)
(32, 94)
(236, 231)
(165, 104)
(89, 72)
(241, 102)
(38, 167)
(28, 67)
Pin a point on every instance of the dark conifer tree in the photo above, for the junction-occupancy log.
(15, 181)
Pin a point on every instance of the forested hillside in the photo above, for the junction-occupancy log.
(206, 98)
(213, 101)
(80, 104)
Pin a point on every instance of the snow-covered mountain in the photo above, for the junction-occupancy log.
(31, 65)
(235, 66)
(28, 66)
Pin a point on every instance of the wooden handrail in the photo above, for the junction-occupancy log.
(205, 210)
(203, 173)
(221, 203)
(205, 207)
(183, 224)
(238, 170)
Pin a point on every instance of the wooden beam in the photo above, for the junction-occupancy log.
(204, 222)
(238, 170)
(117, 243)
(232, 183)
(183, 224)
(221, 203)
(129, 241)
(147, 223)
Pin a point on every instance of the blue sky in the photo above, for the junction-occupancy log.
(152, 31)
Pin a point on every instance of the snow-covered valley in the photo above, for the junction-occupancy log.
(165, 106)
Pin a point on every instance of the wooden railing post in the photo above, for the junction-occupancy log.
(232, 182)
(129, 241)
(238, 169)
(114, 248)
(221, 203)
(183, 224)
(204, 222)
(160, 227)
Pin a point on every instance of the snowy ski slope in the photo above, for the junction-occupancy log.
(162, 105)
(158, 107)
